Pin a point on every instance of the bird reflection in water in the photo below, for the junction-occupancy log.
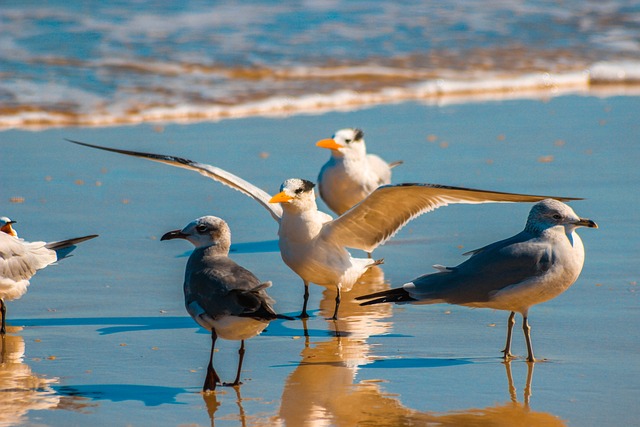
(356, 320)
(513, 413)
(322, 386)
(212, 402)
(22, 390)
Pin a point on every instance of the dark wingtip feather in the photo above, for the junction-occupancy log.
(176, 159)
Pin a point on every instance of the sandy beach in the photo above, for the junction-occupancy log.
(103, 338)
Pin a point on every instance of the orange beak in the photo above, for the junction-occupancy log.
(329, 143)
(8, 229)
(281, 197)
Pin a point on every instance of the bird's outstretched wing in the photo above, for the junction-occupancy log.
(217, 174)
(384, 212)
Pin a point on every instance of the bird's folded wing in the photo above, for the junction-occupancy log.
(384, 212)
(501, 266)
(19, 260)
(215, 173)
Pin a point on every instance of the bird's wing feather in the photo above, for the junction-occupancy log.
(19, 260)
(222, 287)
(215, 173)
(496, 267)
(384, 212)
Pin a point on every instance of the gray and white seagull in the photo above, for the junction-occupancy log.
(220, 295)
(313, 244)
(534, 266)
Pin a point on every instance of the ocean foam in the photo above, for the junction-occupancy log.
(148, 108)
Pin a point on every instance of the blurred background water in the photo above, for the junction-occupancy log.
(99, 63)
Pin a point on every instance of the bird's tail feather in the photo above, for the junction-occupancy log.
(64, 247)
(391, 295)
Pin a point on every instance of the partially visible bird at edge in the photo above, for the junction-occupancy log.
(19, 261)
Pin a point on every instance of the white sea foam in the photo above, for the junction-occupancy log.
(625, 72)
(149, 107)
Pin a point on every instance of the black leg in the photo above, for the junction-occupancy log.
(304, 314)
(335, 312)
(3, 311)
(305, 328)
(212, 376)
(507, 347)
(241, 355)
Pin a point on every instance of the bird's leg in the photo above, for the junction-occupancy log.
(335, 311)
(305, 328)
(304, 314)
(212, 377)
(507, 347)
(3, 312)
(512, 387)
(527, 387)
(241, 354)
(527, 336)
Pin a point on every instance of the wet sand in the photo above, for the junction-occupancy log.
(103, 337)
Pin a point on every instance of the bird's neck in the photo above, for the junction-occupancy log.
(300, 226)
(219, 249)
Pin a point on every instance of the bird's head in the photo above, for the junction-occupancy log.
(551, 213)
(5, 226)
(345, 143)
(296, 192)
(204, 232)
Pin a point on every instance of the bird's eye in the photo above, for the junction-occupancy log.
(299, 190)
(201, 228)
(557, 216)
(347, 141)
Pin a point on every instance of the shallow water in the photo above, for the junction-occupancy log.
(103, 337)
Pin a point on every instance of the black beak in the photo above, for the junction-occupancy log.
(175, 234)
(585, 222)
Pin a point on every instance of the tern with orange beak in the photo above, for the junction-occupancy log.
(313, 244)
(19, 261)
(350, 174)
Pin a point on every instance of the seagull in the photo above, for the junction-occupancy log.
(19, 261)
(312, 243)
(534, 266)
(350, 174)
(220, 295)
